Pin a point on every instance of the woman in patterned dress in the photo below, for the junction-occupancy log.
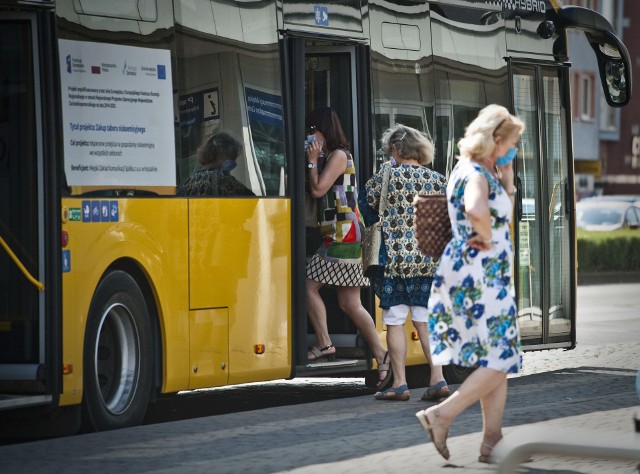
(331, 179)
(403, 281)
(472, 320)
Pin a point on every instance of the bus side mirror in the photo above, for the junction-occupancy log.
(614, 62)
(615, 75)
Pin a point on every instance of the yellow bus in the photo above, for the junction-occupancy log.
(115, 289)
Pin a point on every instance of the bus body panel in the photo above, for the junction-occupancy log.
(237, 265)
(153, 234)
(239, 258)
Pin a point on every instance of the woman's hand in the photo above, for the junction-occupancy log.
(506, 176)
(334, 166)
(478, 243)
(313, 151)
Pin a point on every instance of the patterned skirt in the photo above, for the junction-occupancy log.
(335, 273)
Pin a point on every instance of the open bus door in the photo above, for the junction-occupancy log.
(326, 72)
(30, 349)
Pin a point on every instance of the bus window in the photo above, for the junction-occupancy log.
(529, 255)
(556, 215)
(237, 90)
(402, 74)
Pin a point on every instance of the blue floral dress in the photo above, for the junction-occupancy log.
(473, 320)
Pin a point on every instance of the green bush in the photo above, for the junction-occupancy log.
(615, 251)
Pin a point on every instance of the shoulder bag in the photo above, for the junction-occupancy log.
(372, 238)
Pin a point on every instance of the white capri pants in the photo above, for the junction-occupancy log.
(397, 315)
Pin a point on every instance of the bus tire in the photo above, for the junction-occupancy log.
(118, 355)
(455, 374)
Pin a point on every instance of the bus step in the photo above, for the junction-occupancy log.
(324, 364)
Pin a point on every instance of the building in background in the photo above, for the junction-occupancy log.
(606, 142)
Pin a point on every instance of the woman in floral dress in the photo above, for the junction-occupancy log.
(472, 307)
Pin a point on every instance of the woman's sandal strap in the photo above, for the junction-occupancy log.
(319, 352)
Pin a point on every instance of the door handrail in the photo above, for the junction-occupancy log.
(19, 264)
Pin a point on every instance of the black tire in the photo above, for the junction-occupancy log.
(118, 355)
(455, 374)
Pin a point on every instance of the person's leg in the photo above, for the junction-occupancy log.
(349, 302)
(438, 387)
(394, 318)
(318, 317)
(478, 385)
(492, 405)
(423, 332)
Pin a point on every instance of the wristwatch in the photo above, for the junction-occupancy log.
(311, 165)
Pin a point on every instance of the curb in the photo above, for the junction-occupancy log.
(604, 278)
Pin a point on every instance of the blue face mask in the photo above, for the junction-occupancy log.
(506, 159)
(228, 165)
(392, 161)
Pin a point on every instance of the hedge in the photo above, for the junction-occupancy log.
(615, 251)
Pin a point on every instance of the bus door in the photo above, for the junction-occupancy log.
(544, 259)
(331, 74)
(24, 334)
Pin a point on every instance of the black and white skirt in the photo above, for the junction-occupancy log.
(335, 273)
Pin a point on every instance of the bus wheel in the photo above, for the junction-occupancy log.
(118, 356)
(455, 374)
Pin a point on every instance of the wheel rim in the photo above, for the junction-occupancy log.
(116, 358)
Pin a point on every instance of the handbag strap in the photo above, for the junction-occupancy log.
(383, 192)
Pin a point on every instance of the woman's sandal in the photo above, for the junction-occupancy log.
(423, 418)
(437, 392)
(385, 366)
(400, 393)
(318, 353)
(486, 458)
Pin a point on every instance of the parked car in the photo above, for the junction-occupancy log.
(615, 197)
(607, 214)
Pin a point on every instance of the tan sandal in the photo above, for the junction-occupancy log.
(318, 353)
(486, 458)
(384, 367)
(441, 447)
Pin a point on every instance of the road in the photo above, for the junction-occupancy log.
(589, 388)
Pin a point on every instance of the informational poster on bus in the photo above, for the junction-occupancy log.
(117, 109)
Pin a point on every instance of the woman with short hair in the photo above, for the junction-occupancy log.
(403, 282)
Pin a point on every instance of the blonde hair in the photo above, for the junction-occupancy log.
(492, 121)
(410, 144)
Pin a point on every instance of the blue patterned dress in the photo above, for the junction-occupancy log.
(405, 274)
(473, 320)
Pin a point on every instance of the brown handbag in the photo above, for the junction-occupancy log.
(433, 228)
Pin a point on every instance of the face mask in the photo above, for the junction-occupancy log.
(392, 161)
(228, 165)
(506, 159)
(310, 138)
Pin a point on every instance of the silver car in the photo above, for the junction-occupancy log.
(607, 214)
